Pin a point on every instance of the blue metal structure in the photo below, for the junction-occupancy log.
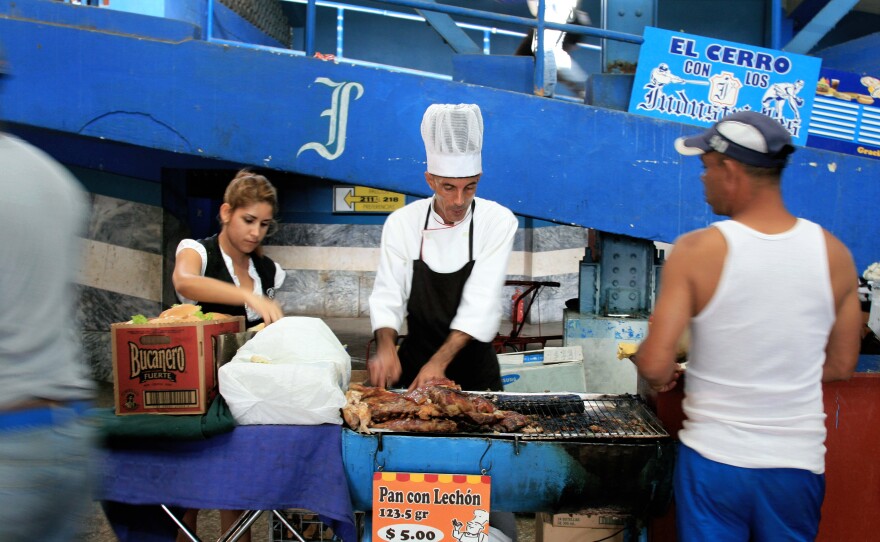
(819, 25)
(96, 76)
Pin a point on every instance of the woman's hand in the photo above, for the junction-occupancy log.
(268, 309)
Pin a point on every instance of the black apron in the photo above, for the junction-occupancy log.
(433, 303)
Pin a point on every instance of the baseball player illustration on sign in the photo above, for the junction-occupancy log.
(780, 94)
(660, 77)
(475, 528)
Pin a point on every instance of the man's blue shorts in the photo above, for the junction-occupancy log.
(719, 502)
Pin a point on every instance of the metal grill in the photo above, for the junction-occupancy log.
(583, 417)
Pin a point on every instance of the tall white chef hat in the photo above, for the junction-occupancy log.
(453, 136)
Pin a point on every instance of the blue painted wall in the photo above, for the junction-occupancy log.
(548, 159)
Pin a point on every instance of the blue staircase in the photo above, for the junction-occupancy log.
(133, 94)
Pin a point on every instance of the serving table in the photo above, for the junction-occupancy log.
(253, 468)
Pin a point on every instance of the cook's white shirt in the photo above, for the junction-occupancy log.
(445, 251)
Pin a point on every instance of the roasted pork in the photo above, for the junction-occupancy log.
(438, 407)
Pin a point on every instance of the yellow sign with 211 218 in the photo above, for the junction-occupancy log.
(361, 199)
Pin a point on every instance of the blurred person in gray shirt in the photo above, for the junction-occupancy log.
(46, 443)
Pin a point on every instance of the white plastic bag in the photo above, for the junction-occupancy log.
(292, 372)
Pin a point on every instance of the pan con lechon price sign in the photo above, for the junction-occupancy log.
(361, 199)
(698, 80)
(416, 507)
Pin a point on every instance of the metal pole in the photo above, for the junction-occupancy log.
(311, 16)
(209, 26)
(539, 51)
(340, 31)
(180, 525)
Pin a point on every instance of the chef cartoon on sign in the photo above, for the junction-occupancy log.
(474, 531)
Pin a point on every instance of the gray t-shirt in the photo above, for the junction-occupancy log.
(43, 210)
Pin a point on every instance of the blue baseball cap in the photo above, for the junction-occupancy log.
(747, 136)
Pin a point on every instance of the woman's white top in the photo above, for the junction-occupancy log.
(280, 274)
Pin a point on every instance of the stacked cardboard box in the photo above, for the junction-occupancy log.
(580, 527)
(167, 368)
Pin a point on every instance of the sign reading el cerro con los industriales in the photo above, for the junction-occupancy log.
(699, 80)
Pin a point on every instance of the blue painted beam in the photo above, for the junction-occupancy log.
(819, 25)
(856, 56)
(805, 11)
(449, 31)
(548, 159)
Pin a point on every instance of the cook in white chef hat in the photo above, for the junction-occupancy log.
(453, 136)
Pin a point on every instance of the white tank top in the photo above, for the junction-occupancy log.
(753, 391)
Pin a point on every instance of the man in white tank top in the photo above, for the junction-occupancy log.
(773, 312)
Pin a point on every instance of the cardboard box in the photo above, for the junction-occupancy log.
(539, 377)
(592, 520)
(167, 368)
(585, 527)
(550, 354)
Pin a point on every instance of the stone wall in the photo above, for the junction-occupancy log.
(128, 256)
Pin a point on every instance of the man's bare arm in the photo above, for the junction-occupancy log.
(656, 358)
(844, 341)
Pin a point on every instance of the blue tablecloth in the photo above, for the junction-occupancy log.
(256, 467)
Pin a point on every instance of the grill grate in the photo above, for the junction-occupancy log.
(575, 417)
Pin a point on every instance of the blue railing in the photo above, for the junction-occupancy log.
(341, 8)
(538, 24)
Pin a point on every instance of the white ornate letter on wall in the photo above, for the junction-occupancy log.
(338, 114)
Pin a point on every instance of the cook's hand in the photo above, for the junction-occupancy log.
(268, 309)
(679, 370)
(429, 371)
(384, 367)
(668, 385)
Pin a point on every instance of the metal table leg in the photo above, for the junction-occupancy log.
(287, 524)
(237, 530)
(180, 525)
(241, 525)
